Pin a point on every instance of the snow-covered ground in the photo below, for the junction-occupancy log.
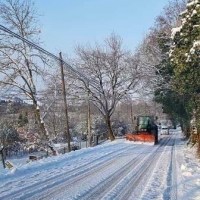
(113, 170)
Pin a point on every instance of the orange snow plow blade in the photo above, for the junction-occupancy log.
(142, 137)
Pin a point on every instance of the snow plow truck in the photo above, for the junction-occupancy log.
(145, 130)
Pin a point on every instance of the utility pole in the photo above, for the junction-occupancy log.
(132, 120)
(88, 122)
(65, 102)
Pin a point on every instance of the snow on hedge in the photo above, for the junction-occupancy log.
(195, 44)
(175, 30)
(192, 3)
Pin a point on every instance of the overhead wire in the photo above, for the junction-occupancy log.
(90, 82)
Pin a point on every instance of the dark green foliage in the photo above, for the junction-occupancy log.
(175, 106)
(182, 68)
(23, 119)
(185, 53)
(185, 60)
(164, 94)
(163, 42)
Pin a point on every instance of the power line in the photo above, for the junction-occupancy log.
(93, 83)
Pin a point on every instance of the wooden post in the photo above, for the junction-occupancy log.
(132, 119)
(88, 123)
(65, 102)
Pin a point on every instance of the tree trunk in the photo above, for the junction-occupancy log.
(186, 130)
(44, 136)
(2, 158)
(109, 128)
(181, 124)
(198, 138)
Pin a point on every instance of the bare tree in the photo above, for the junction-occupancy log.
(53, 113)
(20, 63)
(169, 18)
(152, 50)
(115, 72)
(149, 55)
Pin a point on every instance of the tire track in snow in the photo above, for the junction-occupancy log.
(179, 149)
(157, 181)
(163, 184)
(173, 182)
(69, 184)
(109, 185)
(137, 178)
(32, 188)
(168, 193)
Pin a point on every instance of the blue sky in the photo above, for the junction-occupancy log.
(66, 23)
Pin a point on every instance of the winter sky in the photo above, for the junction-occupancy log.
(66, 23)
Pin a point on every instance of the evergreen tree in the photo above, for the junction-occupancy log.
(20, 120)
(176, 105)
(184, 54)
(185, 59)
(26, 117)
(23, 119)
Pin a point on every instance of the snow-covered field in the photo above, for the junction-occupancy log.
(114, 170)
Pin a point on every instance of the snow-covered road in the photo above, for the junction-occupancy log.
(115, 170)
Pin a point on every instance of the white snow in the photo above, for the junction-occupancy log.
(194, 47)
(192, 50)
(175, 30)
(113, 170)
(182, 13)
(194, 12)
(196, 43)
(192, 3)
